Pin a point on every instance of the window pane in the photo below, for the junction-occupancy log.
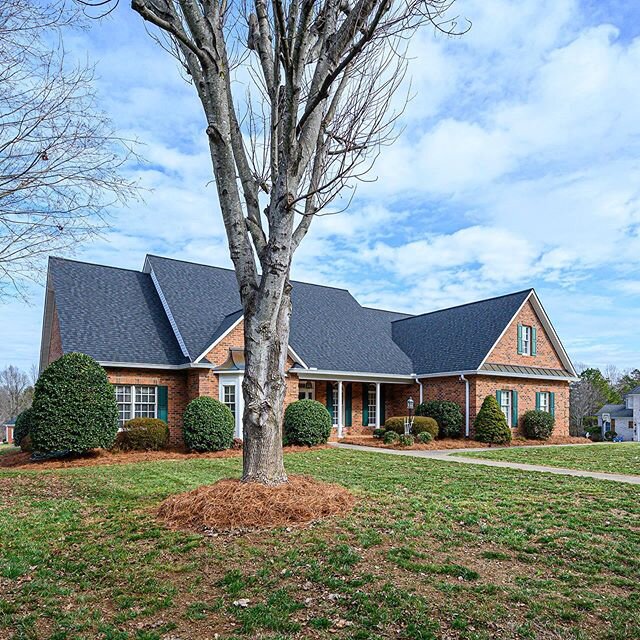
(145, 406)
(335, 405)
(123, 398)
(371, 400)
(229, 397)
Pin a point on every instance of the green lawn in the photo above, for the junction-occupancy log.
(618, 457)
(433, 550)
(7, 448)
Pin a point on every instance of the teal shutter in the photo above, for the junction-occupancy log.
(537, 401)
(534, 341)
(499, 398)
(330, 399)
(347, 404)
(519, 339)
(163, 403)
(552, 404)
(383, 401)
(365, 404)
(514, 409)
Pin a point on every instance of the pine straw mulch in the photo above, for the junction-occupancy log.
(99, 457)
(459, 443)
(232, 505)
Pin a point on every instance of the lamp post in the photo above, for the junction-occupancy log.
(408, 423)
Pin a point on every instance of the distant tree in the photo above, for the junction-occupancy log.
(610, 394)
(60, 161)
(16, 392)
(590, 393)
(630, 380)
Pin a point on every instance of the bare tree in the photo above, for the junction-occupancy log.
(298, 97)
(60, 162)
(585, 399)
(16, 392)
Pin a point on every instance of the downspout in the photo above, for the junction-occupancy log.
(466, 423)
(421, 391)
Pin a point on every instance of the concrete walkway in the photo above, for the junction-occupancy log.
(447, 455)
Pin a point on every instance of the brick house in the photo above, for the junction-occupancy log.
(6, 431)
(173, 331)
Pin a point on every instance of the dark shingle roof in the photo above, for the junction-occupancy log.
(114, 315)
(634, 392)
(616, 411)
(456, 339)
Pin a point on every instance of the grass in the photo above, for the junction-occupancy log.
(432, 550)
(618, 457)
(7, 448)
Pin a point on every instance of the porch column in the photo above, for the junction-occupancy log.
(377, 405)
(339, 408)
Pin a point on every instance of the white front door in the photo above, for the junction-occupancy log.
(230, 394)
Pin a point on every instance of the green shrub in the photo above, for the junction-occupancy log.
(425, 437)
(538, 425)
(26, 446)
(390, 437)
(22, 427)
(306, 423)
(610, 435)
(207, 425)
(74, 407)
(379, 433)
(447, 414)
(593, 431)
(406, 441)
(490, 424)
(394, 423)
(143, 434)
(422, 424)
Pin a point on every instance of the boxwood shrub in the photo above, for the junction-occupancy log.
(207, 425)
(406, 441)
(22, 428)
(538, 425)
(143, 434)
(379, 433)
(420, 425)
(306, 423)
(490, 424)
(390, 437)
(424, 437)
(74, 407)
(447, 414)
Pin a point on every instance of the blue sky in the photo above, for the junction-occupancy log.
(519, 166)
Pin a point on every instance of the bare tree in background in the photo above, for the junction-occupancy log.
(60, 161)
(16, 392)
(298, 97)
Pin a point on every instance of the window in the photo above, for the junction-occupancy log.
(543, 401)
(136, 402)
(371, 401)
(505, 405)
(229, 397)
(335, 405)
(306, 390)
(526, 340)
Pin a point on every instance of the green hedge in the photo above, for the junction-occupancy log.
(208, 425)
(420, 425)
(306, 423)
(22, 428)
(490, 424)
(74, 407)
(538, 425)
(447, 414)
(143, 434)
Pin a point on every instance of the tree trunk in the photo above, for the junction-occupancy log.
(266, 336)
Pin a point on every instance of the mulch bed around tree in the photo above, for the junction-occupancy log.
(102, 457)
(459, 443)
(232, 505)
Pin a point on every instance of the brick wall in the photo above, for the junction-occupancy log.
(55, 345)
(506, 350)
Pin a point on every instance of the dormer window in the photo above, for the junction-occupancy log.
(527, 340)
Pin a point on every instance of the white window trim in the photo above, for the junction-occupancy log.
(509, 414)
(372, 389)
(306, 390)
(132, 403)
(546, 405)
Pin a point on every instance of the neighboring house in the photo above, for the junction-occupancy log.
(174, 331)
(6, 430)
(624, 418)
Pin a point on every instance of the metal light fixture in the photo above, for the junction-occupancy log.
(410, 405)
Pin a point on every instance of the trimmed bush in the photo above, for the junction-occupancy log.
(610, 435)
(423, 424)
(207, 425)
(490, 424)
(538, 425)
(447, 414)
(424, 437)
(143, 434)
(379, 433)
(74, 407)
(390, 437)
(406, 441)
(22, 428)
(306, 422)
(237, 444)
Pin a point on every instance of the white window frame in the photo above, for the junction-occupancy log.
(506, 408)
(526, 340)
(308, 391)
(544, 402)
(132, 402)
(334, 403)
(372, 404)
(234, 386)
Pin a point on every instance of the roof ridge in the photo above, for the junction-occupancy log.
(96, 264)
(402, 313)
(468, 304)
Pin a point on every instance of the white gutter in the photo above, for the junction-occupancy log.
(139, 365)
(466, 421)
(352, 376)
